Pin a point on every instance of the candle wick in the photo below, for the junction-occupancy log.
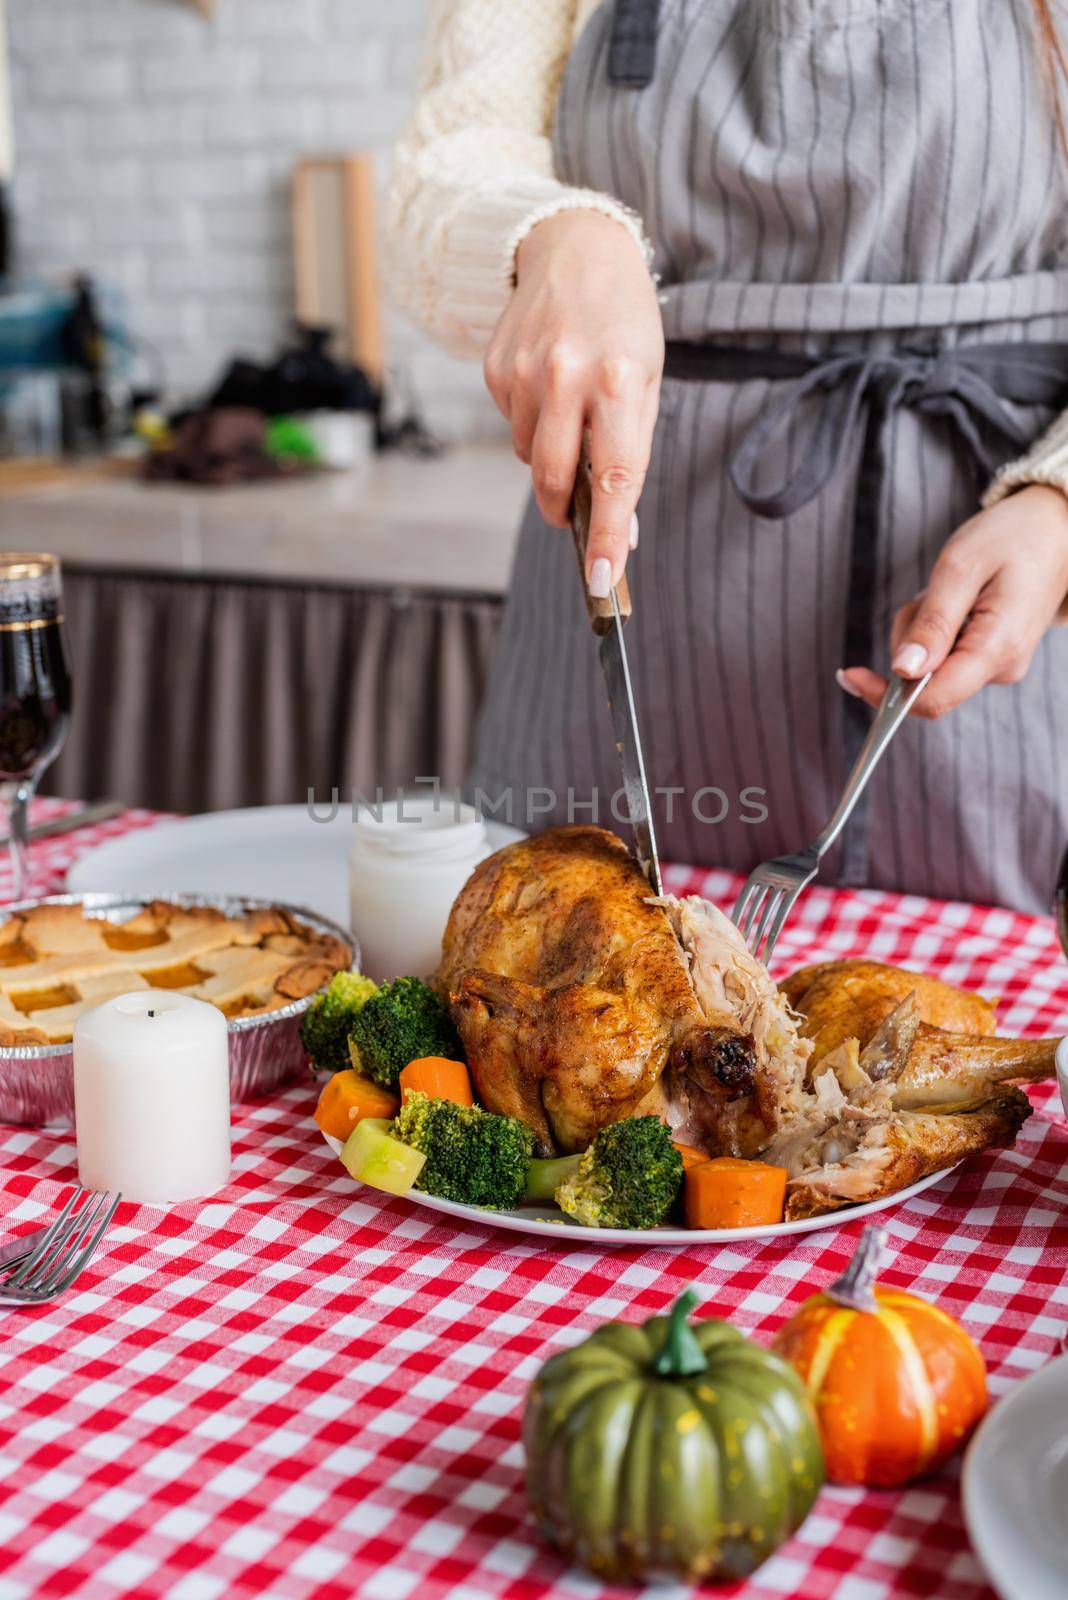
(151, 1013)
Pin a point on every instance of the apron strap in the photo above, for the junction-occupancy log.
(968, 387)
(632, 44)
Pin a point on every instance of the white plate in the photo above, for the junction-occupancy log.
(276, 853)
(1015, 1488)
(550, 1225)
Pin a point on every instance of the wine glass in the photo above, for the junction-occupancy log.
(35, 690)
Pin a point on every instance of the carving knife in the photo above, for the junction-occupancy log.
(607, 618)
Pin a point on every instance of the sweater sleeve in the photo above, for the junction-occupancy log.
(473, 170)
(1046, 463)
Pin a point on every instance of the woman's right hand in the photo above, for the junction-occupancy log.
(580, 344)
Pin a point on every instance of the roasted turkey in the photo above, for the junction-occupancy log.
(572, 995)
(580, 999)
(842, 999)
(904, 1079)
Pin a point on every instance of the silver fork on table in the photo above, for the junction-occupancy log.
(769, 893)
(59, 1252)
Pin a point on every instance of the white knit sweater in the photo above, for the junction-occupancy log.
(473, 173)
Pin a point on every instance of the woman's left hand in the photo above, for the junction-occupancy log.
(996, 587)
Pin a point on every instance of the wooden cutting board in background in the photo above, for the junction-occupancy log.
(42, 472)
(334, 255)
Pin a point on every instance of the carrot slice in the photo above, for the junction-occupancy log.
(690, 1156)
(728, 1193)
(438, 1078)
(347, 1098)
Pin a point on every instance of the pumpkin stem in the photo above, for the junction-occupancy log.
(856, 1287)
(680, 1355)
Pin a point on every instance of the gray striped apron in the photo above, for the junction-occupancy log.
(864, 282)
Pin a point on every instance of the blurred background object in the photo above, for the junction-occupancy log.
(155, 152)
(274, 579)
(334, 256)
(7, 151)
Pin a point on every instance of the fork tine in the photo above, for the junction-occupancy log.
(51, 1271)
(89, 1250)
(756, 920)
(31, 1281)
(752, 901)
(46, 1242)
(752, 910)
(788, 903)
(747, 889)
(767, 913)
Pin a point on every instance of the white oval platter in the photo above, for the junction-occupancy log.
(551, 1226)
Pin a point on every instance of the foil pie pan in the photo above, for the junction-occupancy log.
(37, 1081)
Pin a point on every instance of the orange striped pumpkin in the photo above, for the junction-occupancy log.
(896, 1383)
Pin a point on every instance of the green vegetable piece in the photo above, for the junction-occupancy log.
(628, 1178)
(404, 1020)
(680, 1355)
(373, 1156)
(324, 1028)
(544, 1177)
(472, 1156)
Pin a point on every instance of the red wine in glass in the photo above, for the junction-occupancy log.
(35, 689)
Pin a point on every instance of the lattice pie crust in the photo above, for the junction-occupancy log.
(56, 962)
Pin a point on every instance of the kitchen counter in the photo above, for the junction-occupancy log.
(446, 525)
(239, 646)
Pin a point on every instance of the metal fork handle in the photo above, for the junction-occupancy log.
(898, 699)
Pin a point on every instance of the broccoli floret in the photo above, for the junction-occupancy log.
(628, 1178)
(473, 1156)
(324, 1029)
(406, 1019)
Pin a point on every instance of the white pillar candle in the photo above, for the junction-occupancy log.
(152, 1097)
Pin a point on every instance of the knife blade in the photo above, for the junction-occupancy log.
(98, 811)
(607, 617)
(19, 1248)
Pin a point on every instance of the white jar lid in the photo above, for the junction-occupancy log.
(423, 825)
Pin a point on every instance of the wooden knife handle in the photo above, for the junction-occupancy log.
(600, 611)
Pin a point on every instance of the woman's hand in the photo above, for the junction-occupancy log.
(580, 344)
(996, 587)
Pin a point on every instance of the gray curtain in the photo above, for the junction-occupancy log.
(196, 695)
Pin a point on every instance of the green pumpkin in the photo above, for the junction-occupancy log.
(670, 1451)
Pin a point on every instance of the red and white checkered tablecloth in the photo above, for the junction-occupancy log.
(299, 1391)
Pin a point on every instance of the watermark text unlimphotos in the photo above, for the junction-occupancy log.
(529, 807)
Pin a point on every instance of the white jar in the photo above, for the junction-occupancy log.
(410, 858)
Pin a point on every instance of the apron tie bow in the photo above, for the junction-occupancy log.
(968, 387)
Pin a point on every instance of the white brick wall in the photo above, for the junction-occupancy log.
(154, 149)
